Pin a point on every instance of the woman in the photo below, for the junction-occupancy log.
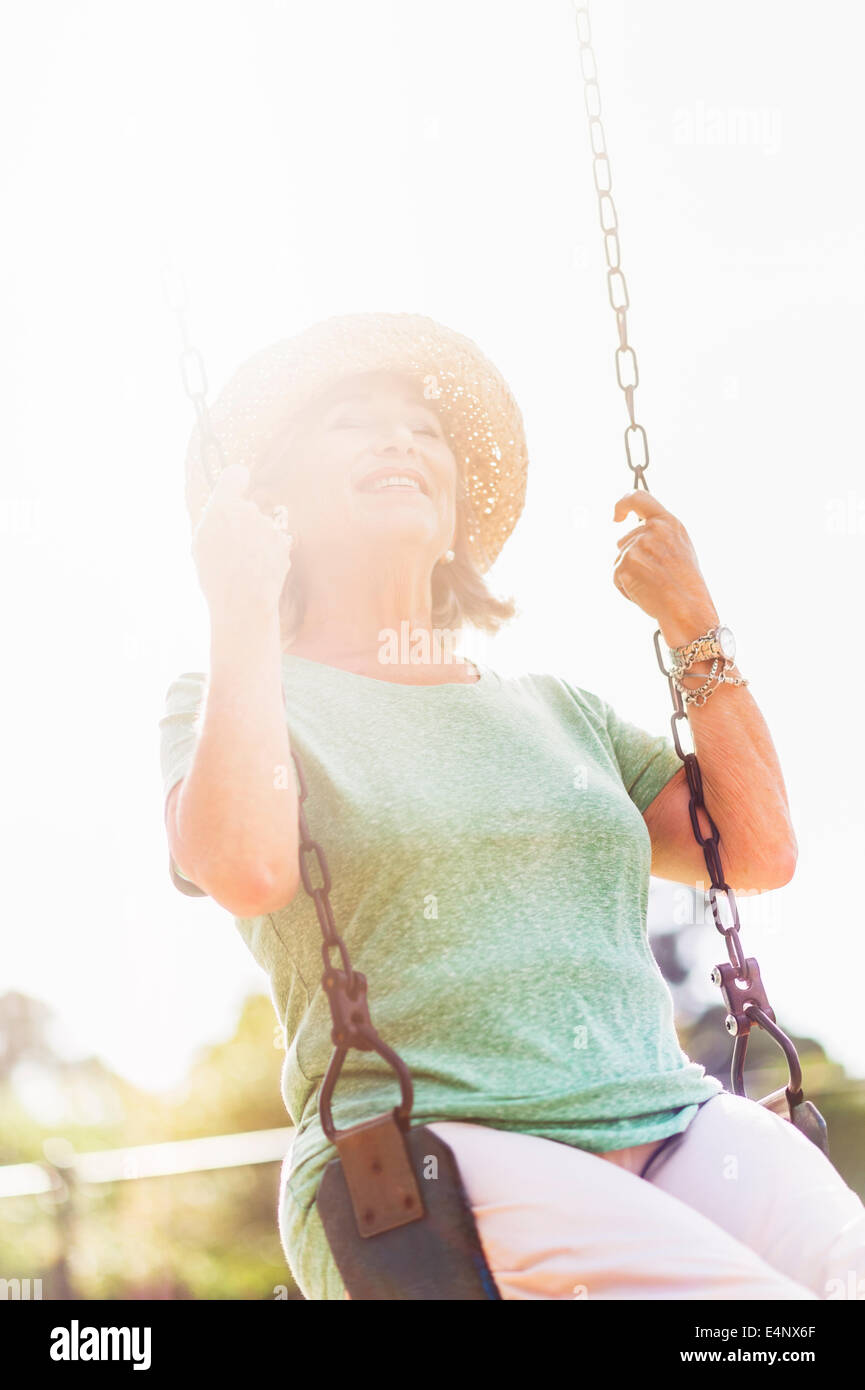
(489, 839)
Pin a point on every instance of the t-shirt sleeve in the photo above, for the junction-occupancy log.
(178, 733)
(646, 761)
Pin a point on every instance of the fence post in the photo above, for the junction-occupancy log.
(61, 1202)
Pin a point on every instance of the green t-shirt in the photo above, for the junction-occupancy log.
(490, 868)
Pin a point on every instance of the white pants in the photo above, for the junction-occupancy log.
(740, 1206)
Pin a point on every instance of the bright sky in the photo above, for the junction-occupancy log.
(309, 159)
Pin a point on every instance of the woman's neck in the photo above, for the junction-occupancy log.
(418, 657)
(378, 624)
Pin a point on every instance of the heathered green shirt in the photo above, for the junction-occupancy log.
(490, 869)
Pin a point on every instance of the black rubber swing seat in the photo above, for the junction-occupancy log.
(401, 1227)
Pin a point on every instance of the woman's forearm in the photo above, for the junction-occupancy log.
(743, 786)
(236, 812)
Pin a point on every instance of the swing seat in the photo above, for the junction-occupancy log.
(397, 1217)
(399, 1222)
(805, 1117)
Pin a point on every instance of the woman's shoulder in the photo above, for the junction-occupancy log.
(184, 692)
(560, 685)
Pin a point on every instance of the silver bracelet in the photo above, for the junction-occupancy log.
(702, 693)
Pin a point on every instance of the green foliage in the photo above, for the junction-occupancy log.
(210, 1235)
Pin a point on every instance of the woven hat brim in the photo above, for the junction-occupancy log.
(483, 423)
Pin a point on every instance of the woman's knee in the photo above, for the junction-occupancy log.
(761, 1179)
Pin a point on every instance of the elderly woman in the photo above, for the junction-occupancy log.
(490, 839)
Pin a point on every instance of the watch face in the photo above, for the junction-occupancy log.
(727, 642)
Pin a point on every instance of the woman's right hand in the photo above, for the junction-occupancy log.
(242, 555)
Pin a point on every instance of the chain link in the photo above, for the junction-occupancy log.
(628, 377)
(192, 371)
(627, 367)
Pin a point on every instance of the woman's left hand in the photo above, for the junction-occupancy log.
(657, 569)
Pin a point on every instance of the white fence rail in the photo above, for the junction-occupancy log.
(148, 1161)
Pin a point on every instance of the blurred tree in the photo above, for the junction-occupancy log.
(24, 1028)
(207, 1235)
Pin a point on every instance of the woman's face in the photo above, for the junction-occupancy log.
(368, 470)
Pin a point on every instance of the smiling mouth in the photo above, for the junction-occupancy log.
(384, 480)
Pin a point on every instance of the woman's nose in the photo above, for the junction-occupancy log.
(395, 436)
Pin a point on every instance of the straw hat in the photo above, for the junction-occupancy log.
(482, 421)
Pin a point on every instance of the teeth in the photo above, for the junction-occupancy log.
(396, 481)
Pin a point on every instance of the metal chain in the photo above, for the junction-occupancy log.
(749, 1005)
(192, 372)
(346, 988)
(627, 367)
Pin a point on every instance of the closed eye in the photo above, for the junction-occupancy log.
(362, 424)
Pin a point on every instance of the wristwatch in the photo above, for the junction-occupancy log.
(717, 642)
